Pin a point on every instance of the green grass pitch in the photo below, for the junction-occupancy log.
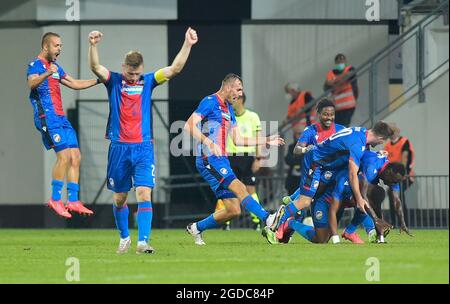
(237, 256)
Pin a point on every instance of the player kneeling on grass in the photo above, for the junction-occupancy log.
(130, 156)
(217, 118)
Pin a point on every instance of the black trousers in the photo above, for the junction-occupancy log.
(344, 117)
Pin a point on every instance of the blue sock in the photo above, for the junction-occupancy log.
(57, 189)
(72, 192)
(294, 196)
(144, 219)
(305, 231)
(207, 223)
(291, 210)
(121, 219)
(356, 221)
(368, 223)
(251, 205)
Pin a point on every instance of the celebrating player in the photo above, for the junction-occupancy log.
(341, 150)
(130, 156)
(44, 78)
(217, 118)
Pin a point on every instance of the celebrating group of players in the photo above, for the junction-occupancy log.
(336, 162)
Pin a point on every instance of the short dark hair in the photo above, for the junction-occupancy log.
(134, 59)
(383, 129)
(231, 76)
(397, 168)
(47, 36)
(243, 97)
(324, 103)
(338, 56)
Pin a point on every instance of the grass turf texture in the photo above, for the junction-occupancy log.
(237, 256)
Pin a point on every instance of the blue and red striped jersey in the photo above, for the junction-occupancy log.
(48, 94)
(217, 120)
(130, 108)
(315, 134)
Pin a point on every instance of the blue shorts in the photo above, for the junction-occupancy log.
(218, 173)
(310, 178)
(320, 209)
(57, 132)
(130, 165)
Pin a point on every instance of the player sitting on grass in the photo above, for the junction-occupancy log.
(216, 117)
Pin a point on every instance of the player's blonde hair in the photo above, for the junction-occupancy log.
(134, 59)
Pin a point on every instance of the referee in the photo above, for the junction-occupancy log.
(245, 161)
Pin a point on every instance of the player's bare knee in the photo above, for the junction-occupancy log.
(120, 199)
(143, 194)
(75, 159)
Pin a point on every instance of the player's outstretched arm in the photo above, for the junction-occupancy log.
(191, 127)
(395, 196)
(178, 63)
(94, 61)
(239, 140)
(78, 84)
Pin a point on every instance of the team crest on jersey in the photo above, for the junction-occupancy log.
(319, 215)
(328, 175)
(224, 171)
(57, 138)
(111, 182)
(316, 184)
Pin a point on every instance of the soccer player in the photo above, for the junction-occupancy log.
(130, 156)
(341, 150)
(44, 77)
(316, 134)
(215, 117)
(245, 161)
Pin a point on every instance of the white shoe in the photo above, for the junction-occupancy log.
(143, 247)
(275, 222)
(192, 230)
(124, 245)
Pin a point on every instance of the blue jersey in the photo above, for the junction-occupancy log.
(342, 189)
(130, 107)
(335, 152)
(46, 98)
(315, 134)
(372, 164)
(217, 120)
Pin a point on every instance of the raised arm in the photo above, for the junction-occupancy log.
(94, 61)
(78, 84)
(182, 56)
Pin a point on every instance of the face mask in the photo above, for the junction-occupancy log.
(340, 66)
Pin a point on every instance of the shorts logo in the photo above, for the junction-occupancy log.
(111, 182)
(319, 215)
(224, 171)
(57, 138)
(328, 175)
(316, 184)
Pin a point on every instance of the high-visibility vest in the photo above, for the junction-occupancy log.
(395, 153)
(295, 107)
(343, 93)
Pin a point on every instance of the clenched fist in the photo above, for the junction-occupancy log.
(95, 37)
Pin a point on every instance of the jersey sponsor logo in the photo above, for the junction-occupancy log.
(132, 90)
(226, 116)
(57, 138)
(224, 171)
(55, 75)
(328, 175)
(319, 215)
